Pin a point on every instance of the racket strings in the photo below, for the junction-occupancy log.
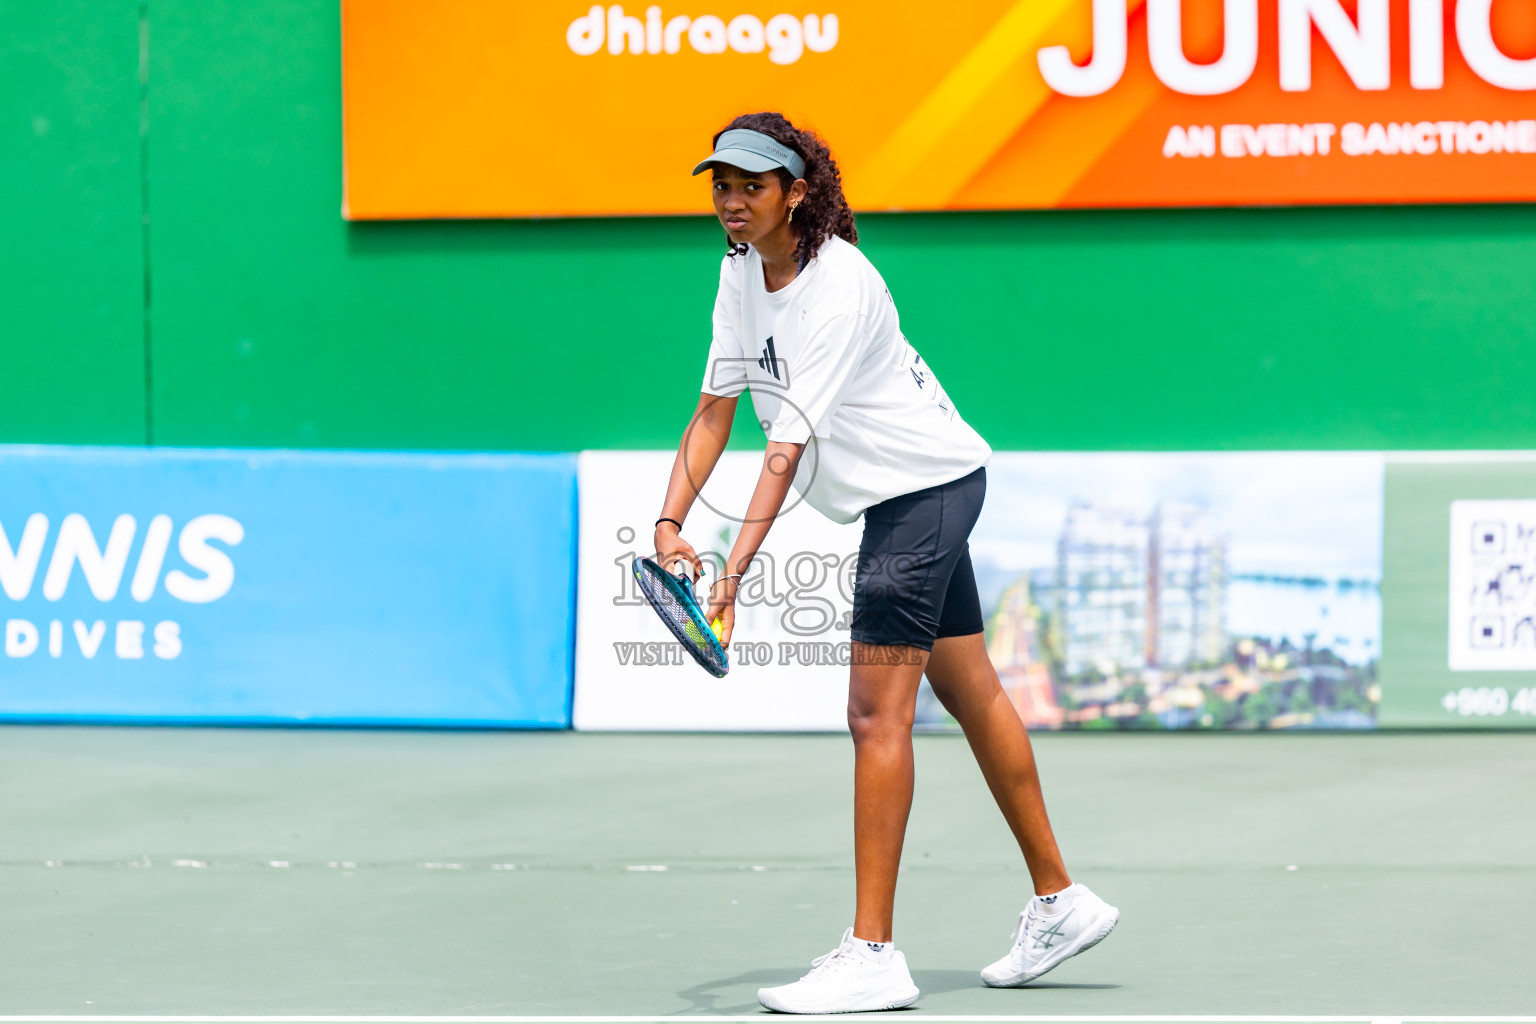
(682, 615)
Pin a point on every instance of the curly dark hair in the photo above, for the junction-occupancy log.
(824, 211)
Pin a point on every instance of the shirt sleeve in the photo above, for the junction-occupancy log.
(725, 372)
(822, 375)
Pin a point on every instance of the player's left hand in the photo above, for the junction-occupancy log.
(722, 606)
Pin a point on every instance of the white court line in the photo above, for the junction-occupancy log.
(1091, 1018)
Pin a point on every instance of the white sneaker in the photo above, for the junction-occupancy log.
(1042, 941)
(846, 980)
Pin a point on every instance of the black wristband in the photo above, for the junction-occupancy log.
(665, 519)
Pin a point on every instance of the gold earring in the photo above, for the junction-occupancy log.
(792, 213)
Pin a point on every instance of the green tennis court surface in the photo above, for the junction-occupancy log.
(159, 873)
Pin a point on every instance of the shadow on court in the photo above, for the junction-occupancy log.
(936, 982)
(738, 993)
(725, 995)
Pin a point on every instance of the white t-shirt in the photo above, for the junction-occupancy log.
(824, 357)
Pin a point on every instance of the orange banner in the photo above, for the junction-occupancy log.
(508, 108)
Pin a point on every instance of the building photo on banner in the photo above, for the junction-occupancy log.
(998, 104)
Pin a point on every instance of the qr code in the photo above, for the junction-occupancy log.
(1493, 586)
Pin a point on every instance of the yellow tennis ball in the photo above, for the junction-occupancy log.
(717, 626)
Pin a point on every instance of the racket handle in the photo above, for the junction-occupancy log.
(683, 570)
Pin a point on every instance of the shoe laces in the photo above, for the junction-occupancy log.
(1028, 917)
(837, 958)
(1022, 928)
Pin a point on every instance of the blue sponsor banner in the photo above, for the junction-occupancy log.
(286, 587)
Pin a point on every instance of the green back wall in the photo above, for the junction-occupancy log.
(72, 359)
(275, 323)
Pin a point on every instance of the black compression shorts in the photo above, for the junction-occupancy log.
(914, 580)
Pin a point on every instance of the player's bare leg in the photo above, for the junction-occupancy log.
(1063, 919)
(866, 971)
(967, 685)
(882, 698)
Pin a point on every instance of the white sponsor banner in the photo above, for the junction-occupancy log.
(789, 651)
(1493, 586)
(1141, 590)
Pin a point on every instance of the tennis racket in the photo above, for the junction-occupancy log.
(673, 599)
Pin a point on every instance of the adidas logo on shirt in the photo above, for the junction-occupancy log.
(770, 360)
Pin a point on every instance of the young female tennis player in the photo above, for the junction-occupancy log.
(805, 322)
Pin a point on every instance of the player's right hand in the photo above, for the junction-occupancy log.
(670, 547)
